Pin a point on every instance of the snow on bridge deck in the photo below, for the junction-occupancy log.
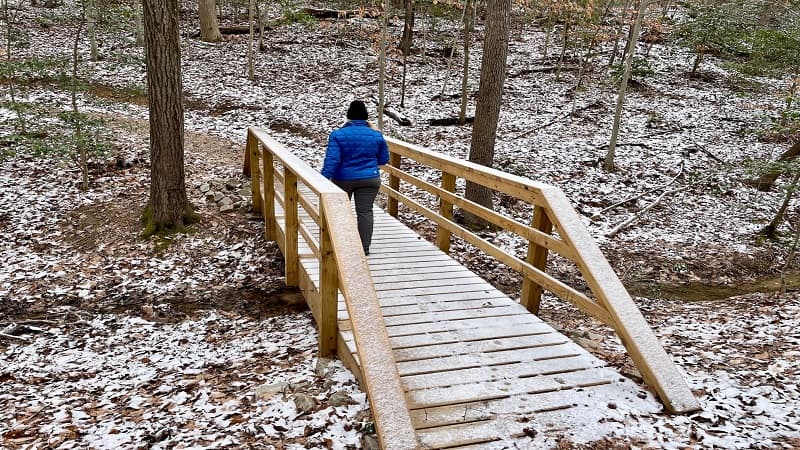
(477, 368)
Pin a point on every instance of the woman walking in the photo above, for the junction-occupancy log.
(354, 153)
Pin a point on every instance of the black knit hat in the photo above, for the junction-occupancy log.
(357, 111)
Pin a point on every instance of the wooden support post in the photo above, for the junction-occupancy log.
(328, 291)
(394, 183)
(446, 211)
(531, 295)
(268, 206)
(290, 230)
(255, 181)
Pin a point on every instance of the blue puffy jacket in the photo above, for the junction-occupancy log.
(354, 152)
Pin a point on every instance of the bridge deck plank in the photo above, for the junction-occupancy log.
(478, 369)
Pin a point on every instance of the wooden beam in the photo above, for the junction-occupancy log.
(653, 362)
(329, 292)
(290, 227)
(268, 206)
(446, 211)
(309, 208)
(525, 231)
(395, 161)
(531, 295)
(558, 288)
(255, 185)
(516, 186)
(384, 390)
(310, 240)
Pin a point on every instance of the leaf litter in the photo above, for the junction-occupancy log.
(138, 346)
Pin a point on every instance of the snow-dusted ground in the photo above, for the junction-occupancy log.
(114, 366)
(212, 381)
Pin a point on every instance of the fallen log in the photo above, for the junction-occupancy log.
(397, 116)
(765, 182)
(449, 121)
(11, 337)
(392, 113)
(545, 69)
(325, 13)
(236, 29)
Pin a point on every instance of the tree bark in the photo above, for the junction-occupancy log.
(768, 178)
(617, 35)
(772, 229)
(608, 163)
(137, 16)
(91, 28)
(382, 64)
(82, 151)
(168, 207)
(251, 64)
(322, 13)
(408, 28)
(209, 27)
(490, 92)
(564, 46)
(405, 44)
(469, 13)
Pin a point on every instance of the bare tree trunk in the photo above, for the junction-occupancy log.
(91, 28)
(664, 11)
(405, 45)
(408, 28)
(209, 27)
(613, 56)
(382, 64)
(768, 178)
(772, 228)
(260, 27)
(790, 97)
(546, 48)
(490, 93)
(701, 50)
(469, 16)
(261, 30)
(168, 207)
(9, 20)
(592, 43)
(563, 47)
(137, 16)
(251, 64)
(449, 67)
(789, 260)
(82, 153)
(608, 163)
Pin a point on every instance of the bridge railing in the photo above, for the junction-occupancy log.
(328, 229)
(556, 227)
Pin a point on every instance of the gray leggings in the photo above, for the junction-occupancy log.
(364, 192)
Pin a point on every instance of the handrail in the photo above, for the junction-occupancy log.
(342, 265)
(551, 209)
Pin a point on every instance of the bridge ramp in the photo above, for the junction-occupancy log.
(477, 368)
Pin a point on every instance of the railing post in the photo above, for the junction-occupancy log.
(328, 290)
(394, 183)
(268, 207)
(531, 295)
(255, 179)
(446, 211)
(290, 231)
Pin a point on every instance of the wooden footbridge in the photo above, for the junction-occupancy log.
(447, 360)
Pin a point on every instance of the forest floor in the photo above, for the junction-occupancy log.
(110, 341)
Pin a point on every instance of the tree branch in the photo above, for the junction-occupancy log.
(664, 186)
(624, 224)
